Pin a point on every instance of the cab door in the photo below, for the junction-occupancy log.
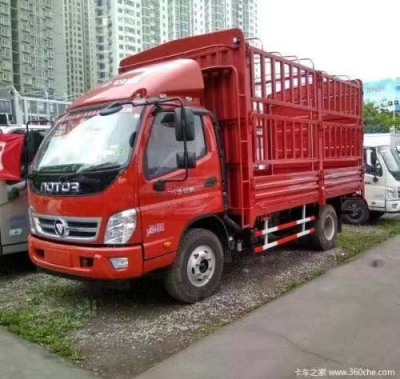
(170, 199)
(201, 193)
(374, 179)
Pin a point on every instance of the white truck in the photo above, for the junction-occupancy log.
(382, 180)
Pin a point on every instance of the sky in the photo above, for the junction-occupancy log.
(358, 38)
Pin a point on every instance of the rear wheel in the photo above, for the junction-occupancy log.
(326, 229)
(198, 268)
(355, 211)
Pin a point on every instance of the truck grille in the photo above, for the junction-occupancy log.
(67, 228)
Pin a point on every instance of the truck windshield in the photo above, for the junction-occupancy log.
(392, 160)
(88, 141)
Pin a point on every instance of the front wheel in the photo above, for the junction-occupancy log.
(326, 229)
(355, 211)
(197, 270)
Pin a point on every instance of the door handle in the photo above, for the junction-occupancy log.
(211, 182)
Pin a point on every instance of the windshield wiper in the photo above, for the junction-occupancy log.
(91, 168)
(48, 170)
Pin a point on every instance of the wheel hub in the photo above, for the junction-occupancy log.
(355, 210)
(329, 229)
(201, 266)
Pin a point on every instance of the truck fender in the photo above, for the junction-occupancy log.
(214, 224)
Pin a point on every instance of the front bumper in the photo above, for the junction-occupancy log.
(392, 206)
(86, 261)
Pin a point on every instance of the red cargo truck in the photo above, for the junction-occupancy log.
(199, 148)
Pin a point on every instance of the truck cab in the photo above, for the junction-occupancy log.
(126, 179)
(382, 179)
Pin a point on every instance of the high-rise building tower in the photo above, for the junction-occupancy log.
(53, 46)
(119, 31)
(213, 15)
(79, 18)
(37, 35)
(6, 66)
(126, 27)
(180, 19)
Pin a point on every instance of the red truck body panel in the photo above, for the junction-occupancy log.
(293, 135)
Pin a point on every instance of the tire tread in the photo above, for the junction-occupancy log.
(174, 280)
(318, 240)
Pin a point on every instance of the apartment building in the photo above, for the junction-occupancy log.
(38, 57)
(6, 63)
(213, 15)
(68, 46)
(126, 27)
(80, 44)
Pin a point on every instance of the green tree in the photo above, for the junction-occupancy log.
(379, 120)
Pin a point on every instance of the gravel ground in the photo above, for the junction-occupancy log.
(136, 326)
(147, 326)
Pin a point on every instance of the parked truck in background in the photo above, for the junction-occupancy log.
(199, 148)
(14, 224)
(382, 180)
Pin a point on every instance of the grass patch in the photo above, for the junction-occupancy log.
(356, 239)
(294, 283)
(48, 315)
(210, 328)
(353, 243)
(391, 226)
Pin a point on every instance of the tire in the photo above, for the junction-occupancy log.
(355, 211)
(197, 270)
(326, 229)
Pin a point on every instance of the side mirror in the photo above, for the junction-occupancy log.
(186, 161)
(378, 168)
(373, 158)
(184, 124)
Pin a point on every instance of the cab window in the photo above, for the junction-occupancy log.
(372, 166)
(160, 155)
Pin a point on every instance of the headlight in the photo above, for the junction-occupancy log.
(120, 227)
(391, 194)
(31, 220)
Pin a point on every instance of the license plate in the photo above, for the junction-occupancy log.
(58, 258)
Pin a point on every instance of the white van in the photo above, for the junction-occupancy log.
(382, 180)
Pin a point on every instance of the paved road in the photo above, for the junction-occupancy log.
(347, 318)
(22, 360)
